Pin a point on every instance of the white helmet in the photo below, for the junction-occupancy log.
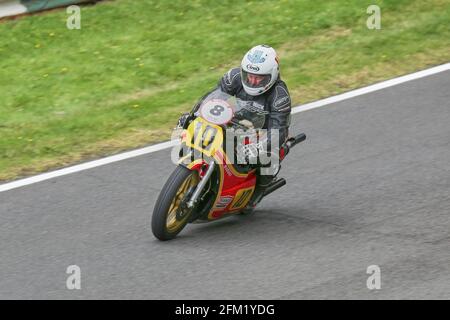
(259, 69)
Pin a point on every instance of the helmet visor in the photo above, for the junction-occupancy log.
(253, 80)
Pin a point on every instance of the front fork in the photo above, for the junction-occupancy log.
(204, 180)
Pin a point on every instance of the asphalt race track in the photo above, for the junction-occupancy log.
(370, 186)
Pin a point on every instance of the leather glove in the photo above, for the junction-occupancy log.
(183, 121)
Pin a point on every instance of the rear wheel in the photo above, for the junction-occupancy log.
(171, 214)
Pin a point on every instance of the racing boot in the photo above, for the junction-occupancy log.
(262, 183)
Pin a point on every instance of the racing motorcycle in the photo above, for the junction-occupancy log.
(206, 185)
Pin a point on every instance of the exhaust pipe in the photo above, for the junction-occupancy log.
(274, 186)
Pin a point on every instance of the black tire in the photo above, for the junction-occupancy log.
(164, 202)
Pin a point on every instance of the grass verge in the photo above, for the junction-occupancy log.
(121, 81)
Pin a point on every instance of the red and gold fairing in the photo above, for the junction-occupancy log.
(235, 189)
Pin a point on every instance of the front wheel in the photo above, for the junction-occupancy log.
(170, 214)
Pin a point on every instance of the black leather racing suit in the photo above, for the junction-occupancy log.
(276, 101)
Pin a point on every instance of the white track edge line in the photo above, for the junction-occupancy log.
(372, 88)
(164, 145)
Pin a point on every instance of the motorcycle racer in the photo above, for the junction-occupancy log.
(257, 81)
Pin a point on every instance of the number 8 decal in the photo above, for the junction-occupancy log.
(217, 110)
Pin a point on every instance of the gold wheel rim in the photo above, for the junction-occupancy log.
(172, 224)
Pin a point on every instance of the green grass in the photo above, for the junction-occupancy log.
(121, 81)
